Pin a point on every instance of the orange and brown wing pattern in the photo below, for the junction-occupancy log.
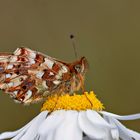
(28, 76)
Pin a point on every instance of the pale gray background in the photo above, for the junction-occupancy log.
(107, 33)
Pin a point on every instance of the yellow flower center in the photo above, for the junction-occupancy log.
(73, 102)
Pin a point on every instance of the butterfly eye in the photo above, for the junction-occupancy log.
(78, 68)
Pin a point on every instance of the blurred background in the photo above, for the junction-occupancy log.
(106, 32)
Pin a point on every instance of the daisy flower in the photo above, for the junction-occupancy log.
(76, 117)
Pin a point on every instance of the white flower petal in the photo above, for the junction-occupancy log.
(134, 134)
(33, 129)
(92, 131)
(115, 133)
(68, 125)
(17, 137)
(126, 117)
(50, 136)
(114, 128)
(124, 132)
(86, 138)
(7, 135)
(96, 119)
(51, 123)
(69, 129)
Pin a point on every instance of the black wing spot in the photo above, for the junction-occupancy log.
(24, 87)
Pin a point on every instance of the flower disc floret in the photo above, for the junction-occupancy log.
(73, 102)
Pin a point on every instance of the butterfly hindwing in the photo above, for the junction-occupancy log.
(28, 76)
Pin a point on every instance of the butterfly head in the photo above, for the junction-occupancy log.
(79, 69)
(81, 66)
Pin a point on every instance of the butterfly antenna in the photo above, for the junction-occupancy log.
(73, 44)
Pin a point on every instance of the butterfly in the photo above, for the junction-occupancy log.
(29, 76)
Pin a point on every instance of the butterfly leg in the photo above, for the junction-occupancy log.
(82, 82)
(83, 88)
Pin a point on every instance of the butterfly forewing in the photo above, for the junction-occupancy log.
(29, 76)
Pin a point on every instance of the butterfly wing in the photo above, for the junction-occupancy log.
(29, 76)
